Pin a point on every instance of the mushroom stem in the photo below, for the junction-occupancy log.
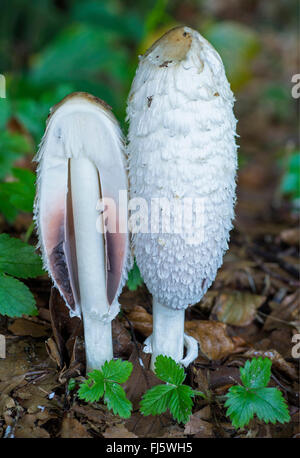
(90, 253)
(168, 332)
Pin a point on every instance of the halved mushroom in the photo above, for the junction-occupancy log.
(85, 250)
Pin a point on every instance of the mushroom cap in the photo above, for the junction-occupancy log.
(182, 145)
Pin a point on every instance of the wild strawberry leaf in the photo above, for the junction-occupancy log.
(15, 298)
(18, 258)
(254, 398)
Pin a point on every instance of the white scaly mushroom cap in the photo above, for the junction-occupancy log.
(182, 144)
(81, 125)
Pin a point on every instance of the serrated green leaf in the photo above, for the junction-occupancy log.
(180, 403)
(15, 298)
(271, 406)
(156, 400)
(117, 370)
(243, 402)
(256, 373)
(240, 406)
(134, 278)
(104, 382)
(167, 370)
(18, 258)
(19, 193)
(115, 399)
(93, 388)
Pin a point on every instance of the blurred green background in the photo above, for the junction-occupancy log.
(49, 48)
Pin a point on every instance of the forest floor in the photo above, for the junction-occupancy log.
(252, 309)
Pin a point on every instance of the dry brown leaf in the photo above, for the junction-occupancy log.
(196, 425)
(291, 236)
(6, 402)
(207, 301)
(26, 428)
(150, 426)
(174, 431)
(122, 342)
(214, 342)
(53, 352)
(72, 429)
(141, 320)
(23, 327)
(287, 313)
(118, 431)
(237, 308)
(91, 413)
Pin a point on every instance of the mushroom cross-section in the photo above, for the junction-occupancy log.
(81, 215)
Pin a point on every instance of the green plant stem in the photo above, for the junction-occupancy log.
(29, 232)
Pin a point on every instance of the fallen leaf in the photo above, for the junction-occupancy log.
(196, 425)
(53, 352)
(237, 308)
(65, 328)
(214, 342)
(174, 431)
(291, 236)
(122, 343)
(141, 320)
(26, 428)
(284, 314)
(118, 431)
(72, 429)
(23, 327)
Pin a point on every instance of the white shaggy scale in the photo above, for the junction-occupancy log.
(182, 144)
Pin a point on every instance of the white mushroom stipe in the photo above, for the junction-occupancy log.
(181, 145)
(81, 159)
(163, 319)
(90, 252)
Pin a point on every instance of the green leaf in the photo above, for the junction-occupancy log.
(20, 193)
(15, 298)
(117, 370)
(71, 384)
(18, 258)
(156, 400)
(290, 183)
(5, 112)
(134, 278)
(167, 370)
(115, 399)
(173, 396)
(105, 382)
(12, 146)
(272, 406)
(243, 402)
(125, 24)
(181, 403)
(256, 373)
(240, 404)
(93, 388)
